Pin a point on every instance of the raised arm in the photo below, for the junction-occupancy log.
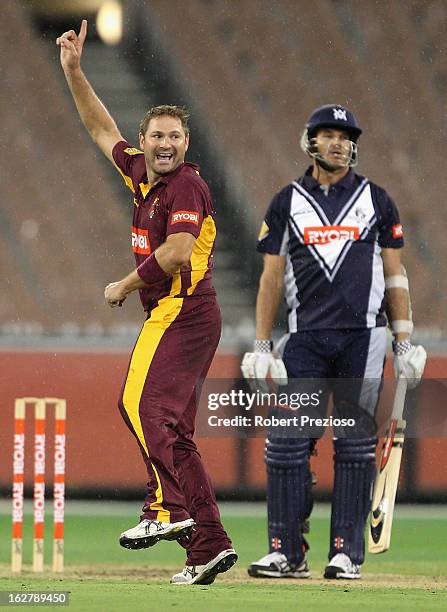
(94, 115)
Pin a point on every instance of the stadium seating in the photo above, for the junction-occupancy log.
(251, 75)
(256, 73)
(62, 236)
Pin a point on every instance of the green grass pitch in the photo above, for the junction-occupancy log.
(102, 576)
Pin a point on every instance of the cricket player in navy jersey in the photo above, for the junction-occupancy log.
(332, 244)
(173, 234)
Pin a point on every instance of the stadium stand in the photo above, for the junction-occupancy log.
(62, 227)
(428, 22)
(251, 77)
(255, 74)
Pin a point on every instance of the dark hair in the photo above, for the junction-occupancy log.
(180, 112)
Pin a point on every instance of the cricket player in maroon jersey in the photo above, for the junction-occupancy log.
(173, 236)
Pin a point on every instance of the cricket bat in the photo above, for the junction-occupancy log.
(385, 486)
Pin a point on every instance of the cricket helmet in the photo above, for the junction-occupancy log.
(333, 116)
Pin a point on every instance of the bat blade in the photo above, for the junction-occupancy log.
(385, 488)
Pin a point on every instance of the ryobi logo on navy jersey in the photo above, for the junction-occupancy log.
(330, 233)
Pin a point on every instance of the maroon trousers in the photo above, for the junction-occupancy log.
(159, 402)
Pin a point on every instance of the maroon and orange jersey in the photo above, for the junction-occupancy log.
(178, 202)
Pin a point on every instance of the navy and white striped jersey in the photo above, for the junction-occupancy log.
(332, 242)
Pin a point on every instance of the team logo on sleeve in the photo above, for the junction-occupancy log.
(398, 231)
(185, 216)
(330, 233)
(132, 151)
(140, 241)
(263, 231)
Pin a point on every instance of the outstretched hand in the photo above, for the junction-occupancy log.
(71, 45)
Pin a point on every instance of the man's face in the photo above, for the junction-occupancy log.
(334, 147)
(164, 144)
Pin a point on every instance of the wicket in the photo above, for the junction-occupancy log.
(40, 409)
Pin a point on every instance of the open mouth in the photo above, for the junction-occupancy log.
(164, 156)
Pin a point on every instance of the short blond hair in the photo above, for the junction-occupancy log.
(166, 110)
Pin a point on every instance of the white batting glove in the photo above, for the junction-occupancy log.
(409, 362)
(258, 365)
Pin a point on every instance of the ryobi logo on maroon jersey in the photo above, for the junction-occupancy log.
(140, 241)
(185, 216)
(330, 233)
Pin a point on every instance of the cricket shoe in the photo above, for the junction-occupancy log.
(276, 565)
(341, 566)
(149, 532)
(206, 574)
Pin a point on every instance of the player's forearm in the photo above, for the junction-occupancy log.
(171, 257)
(132, 282)
(167, 259)
(92, 111)
(398, 309)
(269, 296)
(148, 273)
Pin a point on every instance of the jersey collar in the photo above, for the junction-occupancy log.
(146, 187)
(310, 184)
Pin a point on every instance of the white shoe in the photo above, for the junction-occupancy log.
(206, 574)
(341, 566)
(276, 565)
(149, 532)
